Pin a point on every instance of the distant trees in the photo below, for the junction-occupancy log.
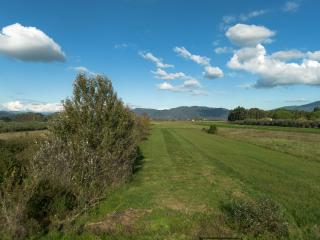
(237, 114)
(241, 113)
(30, 116)
(277, 117)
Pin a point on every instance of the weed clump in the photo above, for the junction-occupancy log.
(259, 217)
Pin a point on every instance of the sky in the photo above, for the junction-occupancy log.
(161, 53)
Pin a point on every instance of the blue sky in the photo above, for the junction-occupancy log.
(161, 54)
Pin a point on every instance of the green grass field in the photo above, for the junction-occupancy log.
(187, 175)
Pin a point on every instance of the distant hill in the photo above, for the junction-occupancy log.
(307, 107)
(185, 113)
(7, 114)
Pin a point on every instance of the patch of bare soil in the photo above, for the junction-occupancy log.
(122, 221)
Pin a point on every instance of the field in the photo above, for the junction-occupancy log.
(185, 177)
(17, 126)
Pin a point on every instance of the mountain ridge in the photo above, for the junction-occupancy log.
(185, 113)
(305, 107)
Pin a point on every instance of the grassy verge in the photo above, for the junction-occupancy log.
(186, 178)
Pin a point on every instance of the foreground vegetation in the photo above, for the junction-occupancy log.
(190, 183)
(48, 180)
(91, 176)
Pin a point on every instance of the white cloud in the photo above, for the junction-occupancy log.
(29, 44)
(288, 55)
(31, 107)
(291, 6)
(273, 72)
(296, 54)
(162, 74)
(165, 86)
(82, 69)
(183, 52)
(190, 85)
(227, 20)
(212, 72)
(159, 63)
(256, 13)
(221, 50)
(249, 35)
(314, 55)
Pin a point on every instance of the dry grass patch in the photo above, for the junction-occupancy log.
(122, 221)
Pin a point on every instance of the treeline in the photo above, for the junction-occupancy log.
(278, 117)
(91, 148)
(28, 121)
(26, 117)
(22, 126)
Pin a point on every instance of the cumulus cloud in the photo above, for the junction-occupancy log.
(288, 55)
(31, 107)
(150, 57)
(274, 72)
(291, 6)
(183, 52)
(314, 55)
(162, 74)
(212, 72)
(296, 54)
(249, 35)
(29, 44)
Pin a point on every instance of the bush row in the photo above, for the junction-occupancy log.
(281, 123)
(22, 126)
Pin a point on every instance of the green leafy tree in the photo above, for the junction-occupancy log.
(283, 114)
(237, 114)
(92, 142)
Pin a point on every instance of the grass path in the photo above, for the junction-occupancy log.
(187, 174)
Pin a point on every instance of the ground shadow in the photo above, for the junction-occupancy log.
(139, 161)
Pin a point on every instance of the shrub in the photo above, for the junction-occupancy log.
(257, 218)
(142, 126)
(212, 129)
(93, 142)
(91, 147)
